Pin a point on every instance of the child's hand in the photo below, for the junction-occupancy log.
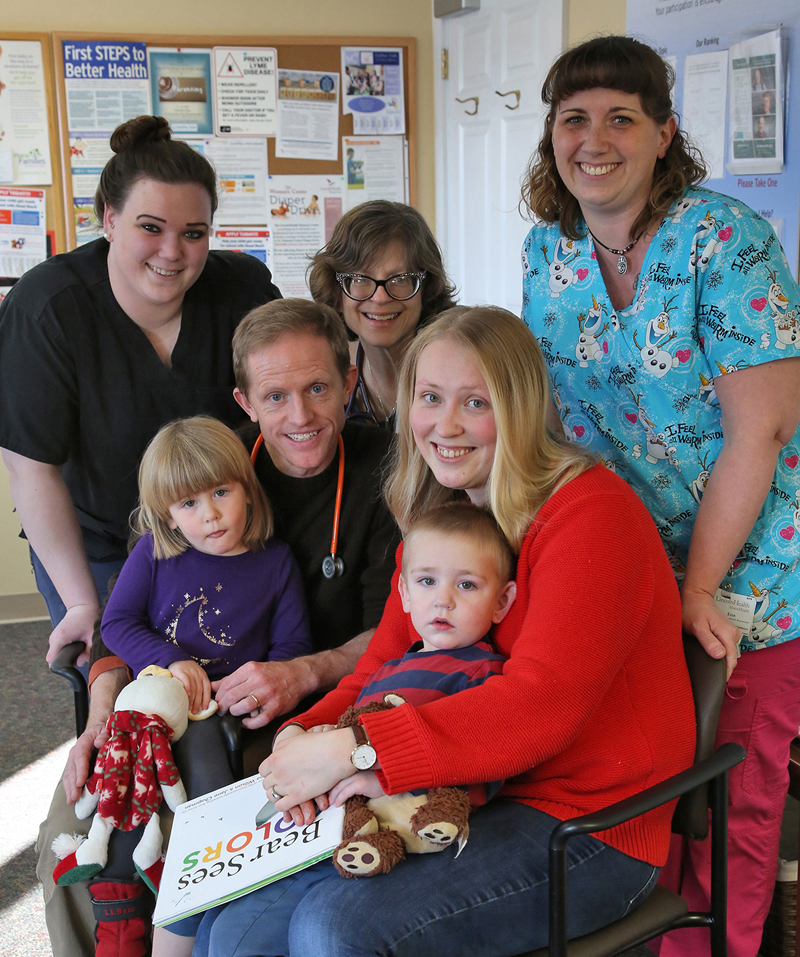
(365, 782)
(323, 727)
(195, 681)
(306, 812)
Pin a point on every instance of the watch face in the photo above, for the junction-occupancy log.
(363, 757)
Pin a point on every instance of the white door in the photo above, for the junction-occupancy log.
(483, 145)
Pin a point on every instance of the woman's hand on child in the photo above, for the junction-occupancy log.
(195, 680)
(303, 766)
(365, 782)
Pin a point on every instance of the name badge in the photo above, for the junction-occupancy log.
(738, 609)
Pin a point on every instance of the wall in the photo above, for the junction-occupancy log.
(262, 17)
(585, 18)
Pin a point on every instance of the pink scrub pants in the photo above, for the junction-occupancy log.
(761, 711)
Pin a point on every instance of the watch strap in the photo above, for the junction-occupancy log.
(360, 733)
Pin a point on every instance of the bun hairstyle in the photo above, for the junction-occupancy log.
(144, 149)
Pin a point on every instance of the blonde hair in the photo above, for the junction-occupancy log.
(465, 520)
(186, 457)
(530, 462)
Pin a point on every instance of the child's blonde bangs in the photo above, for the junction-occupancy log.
(186, 457)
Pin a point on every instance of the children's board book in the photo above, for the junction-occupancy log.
(221, 848)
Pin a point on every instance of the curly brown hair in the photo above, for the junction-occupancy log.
(612, 63)
(360, 237)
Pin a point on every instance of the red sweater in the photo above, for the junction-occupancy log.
(594, 703)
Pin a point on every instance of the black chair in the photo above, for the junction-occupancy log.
(64, 666)
(703, 786)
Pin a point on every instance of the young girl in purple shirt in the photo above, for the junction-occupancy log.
(206, 589)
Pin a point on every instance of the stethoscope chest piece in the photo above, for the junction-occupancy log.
(332, 566)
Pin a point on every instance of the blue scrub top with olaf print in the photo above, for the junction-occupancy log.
(637, 386)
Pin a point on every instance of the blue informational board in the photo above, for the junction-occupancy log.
(679, 28)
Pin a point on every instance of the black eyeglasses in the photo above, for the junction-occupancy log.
(400, 287)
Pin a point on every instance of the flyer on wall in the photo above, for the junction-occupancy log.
(375, 168)
(705, 96)
(88, 154)
(218, 852)
(180, 84)
(241, 165)
(308, 115)
(372, 89)
(245, 99)
(24, 137)
(106, 83)
(303, 211)
(23, 230)
(756, 107)
(253, 240)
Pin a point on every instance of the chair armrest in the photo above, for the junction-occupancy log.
(65, 660)
(723, 759)
(64, 665)
(713, 768)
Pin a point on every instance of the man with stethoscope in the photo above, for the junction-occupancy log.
(322, 477)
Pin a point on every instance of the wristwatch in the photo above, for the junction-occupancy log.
(363, 755)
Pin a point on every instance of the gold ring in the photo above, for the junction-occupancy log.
(258, 703)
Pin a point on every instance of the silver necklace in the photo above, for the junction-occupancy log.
(622, 262)
(378, 396)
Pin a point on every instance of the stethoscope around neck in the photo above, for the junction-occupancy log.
(333, 564)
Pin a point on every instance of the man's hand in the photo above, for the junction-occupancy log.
(76, 625)
(76, 773)
(278, 686)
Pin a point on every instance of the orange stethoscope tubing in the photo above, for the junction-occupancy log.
(332, 565)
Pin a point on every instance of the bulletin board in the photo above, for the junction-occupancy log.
(54, 206)
(678, 29)
(306, 53)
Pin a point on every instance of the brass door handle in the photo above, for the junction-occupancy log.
(469, 99)
(510, 93)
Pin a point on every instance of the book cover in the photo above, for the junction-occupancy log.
(218, 851)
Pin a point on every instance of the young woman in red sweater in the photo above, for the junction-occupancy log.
(594, 703)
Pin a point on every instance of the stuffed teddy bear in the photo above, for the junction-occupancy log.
(133, 768)
(378, 832)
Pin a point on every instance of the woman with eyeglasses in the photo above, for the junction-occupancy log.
(382, 271)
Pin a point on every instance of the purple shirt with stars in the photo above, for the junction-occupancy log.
(220, 611)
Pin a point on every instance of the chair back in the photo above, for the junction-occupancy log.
(708, 678)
